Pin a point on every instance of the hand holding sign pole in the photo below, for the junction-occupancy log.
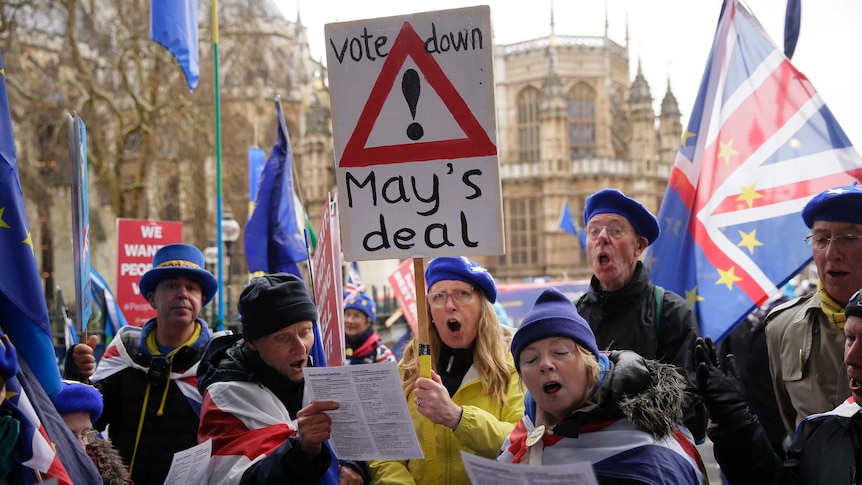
(429, 445)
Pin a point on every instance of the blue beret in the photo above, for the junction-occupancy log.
(77, 397)
(461, 269)
(612, 201)
(363, 303)
(553, 315)
(839, 204)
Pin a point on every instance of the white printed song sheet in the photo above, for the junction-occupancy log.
(483, 471)
(372, 422)
(189, 466)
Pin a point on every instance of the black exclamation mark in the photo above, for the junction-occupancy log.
(410, 88)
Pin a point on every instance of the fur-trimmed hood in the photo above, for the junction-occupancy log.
(109, 463)
(658, 409)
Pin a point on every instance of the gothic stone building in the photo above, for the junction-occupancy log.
(570, 123)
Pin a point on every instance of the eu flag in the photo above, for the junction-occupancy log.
(568, 224)
(23, 311)
(273, 243)
(760, 144)
(174, 25)
(102, 296)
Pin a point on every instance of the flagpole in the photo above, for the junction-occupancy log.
(221, 303)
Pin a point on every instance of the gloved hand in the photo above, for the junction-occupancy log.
(720, 392)
(628, 375)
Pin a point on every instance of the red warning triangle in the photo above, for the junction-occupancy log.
(476, 144)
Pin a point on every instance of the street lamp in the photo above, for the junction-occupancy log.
(230, 233)
(211, 260)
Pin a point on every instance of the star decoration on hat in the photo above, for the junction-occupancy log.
(474, 267)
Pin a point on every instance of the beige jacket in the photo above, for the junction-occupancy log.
(806, 360)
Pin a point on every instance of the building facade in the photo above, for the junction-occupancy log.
(570, 122)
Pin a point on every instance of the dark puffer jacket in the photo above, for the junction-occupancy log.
(230, 364)
(626, 320)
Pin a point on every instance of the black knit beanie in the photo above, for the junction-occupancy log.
(272, 302)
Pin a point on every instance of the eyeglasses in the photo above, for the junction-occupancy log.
(615, 231)
(844, 241)
(461, 296)
(89, 437)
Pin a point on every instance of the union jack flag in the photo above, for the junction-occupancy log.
(354, 285)
(33, 449)
(759, 145)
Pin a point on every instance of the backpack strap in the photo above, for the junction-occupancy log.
(659, 296)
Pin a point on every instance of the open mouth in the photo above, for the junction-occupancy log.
(854, 385)
(297, 364)
(454, 325)
(604, 258)
(551, 387)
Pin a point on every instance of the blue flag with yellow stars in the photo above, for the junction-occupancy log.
(23, 311)
(759, 145)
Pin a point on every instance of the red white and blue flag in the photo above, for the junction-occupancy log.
(33, 449)
(759, 145)
(354, 286)
(616, 449)
(117, 358)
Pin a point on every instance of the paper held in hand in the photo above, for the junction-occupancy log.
(373, 422)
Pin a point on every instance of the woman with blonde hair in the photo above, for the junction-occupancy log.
(473, 397)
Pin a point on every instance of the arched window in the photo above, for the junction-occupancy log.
(528, 126)
(522, 233)
(582, 122)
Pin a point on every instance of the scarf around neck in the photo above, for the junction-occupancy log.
(833, 310)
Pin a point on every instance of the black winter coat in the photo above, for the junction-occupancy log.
(626, 320)
(131, 392)
(827, 450)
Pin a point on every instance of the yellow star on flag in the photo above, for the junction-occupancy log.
(727, 151)
(749, 195)
(649, 261)
(2, 222)
(29, 241)
(749, 240)
(685, 136)
(727, 277)
(692, 297)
